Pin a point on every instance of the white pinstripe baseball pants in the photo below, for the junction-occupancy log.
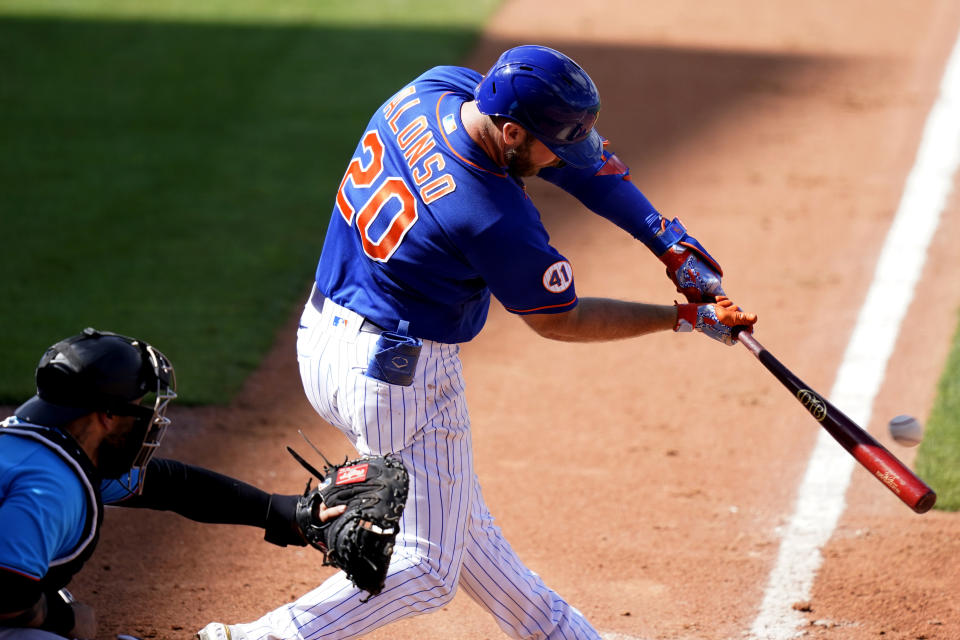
(447, 536)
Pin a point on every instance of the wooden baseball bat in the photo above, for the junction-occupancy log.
(913, 491)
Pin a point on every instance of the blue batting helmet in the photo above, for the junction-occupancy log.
(549, 95)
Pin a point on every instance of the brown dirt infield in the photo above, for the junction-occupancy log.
(781, 133)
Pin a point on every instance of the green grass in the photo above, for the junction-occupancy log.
(938, 460)
(167, 170)
(381, 13)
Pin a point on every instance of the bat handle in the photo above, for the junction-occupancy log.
(746, 338)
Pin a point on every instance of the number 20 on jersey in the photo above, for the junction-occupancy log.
(367, 178)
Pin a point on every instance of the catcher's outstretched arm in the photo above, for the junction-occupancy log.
(207, 496)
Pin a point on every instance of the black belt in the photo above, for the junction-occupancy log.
(367, 326)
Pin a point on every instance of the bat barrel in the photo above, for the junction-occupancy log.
(913, 491)
(905, 484)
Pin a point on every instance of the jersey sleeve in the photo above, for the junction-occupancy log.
(520, 267)
(43, 512)
(115, 491)
(606, 189)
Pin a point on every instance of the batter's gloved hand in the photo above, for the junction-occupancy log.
(717, 320)
(691, 268)
(693, 275)
(373, 492)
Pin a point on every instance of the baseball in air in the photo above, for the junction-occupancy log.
(906, 430)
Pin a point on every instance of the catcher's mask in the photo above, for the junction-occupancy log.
(550, 96)
(104, 371)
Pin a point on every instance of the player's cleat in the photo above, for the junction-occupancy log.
(218, 631)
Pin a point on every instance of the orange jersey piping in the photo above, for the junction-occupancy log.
(549, 306)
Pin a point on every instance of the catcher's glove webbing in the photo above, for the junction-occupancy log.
(360, 541)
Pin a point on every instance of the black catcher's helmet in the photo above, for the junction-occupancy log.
(104, 371)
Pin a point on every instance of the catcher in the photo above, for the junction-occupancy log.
(87, 439)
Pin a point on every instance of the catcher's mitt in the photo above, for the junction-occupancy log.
(360, 541)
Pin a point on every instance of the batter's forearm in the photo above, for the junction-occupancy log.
(604, 319)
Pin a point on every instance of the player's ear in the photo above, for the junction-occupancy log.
(104, 419)
(513, 134)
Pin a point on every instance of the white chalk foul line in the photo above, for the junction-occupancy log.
(821, 494)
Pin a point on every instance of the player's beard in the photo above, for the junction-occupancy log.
(118, 450)
(518, 160)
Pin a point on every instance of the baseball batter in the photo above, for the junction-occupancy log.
(430, 220)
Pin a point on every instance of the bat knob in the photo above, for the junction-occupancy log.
(926, 502)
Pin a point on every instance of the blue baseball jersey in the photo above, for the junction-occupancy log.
(426, 226)
(43, 505)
